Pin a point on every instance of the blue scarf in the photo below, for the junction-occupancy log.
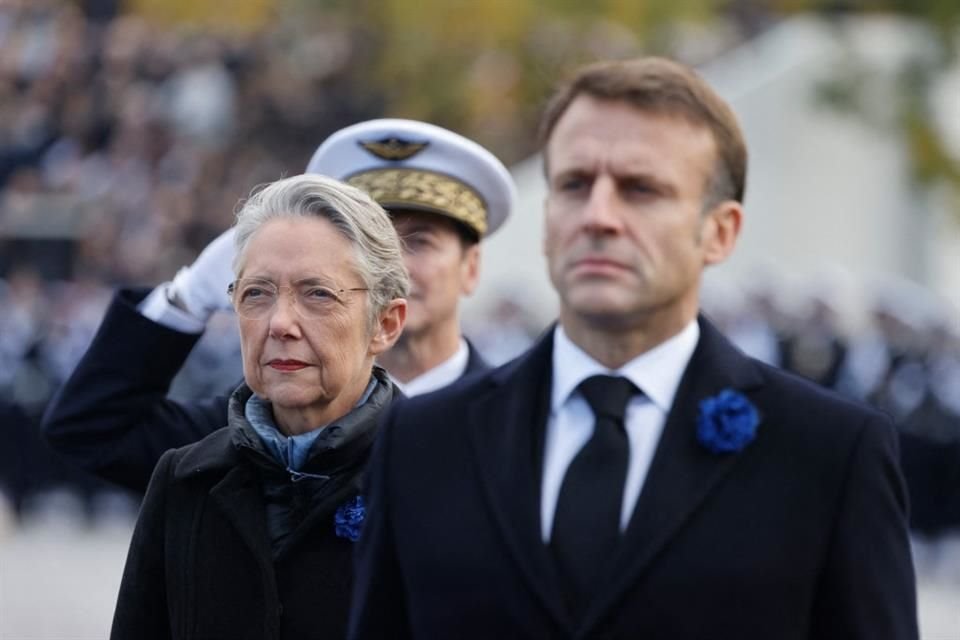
(290, 451)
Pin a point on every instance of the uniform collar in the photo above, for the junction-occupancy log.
(439, 376)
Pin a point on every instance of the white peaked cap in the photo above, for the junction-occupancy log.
(406, 164)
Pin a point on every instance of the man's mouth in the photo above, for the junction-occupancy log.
(598, 264)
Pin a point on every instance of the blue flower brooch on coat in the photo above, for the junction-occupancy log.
(349, 519)
(727, 422)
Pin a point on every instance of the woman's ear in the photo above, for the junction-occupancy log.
(389, 325)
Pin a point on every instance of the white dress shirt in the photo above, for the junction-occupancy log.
(441, 375)
(656, 373)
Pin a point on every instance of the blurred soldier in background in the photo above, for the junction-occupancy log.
(445, 194)
(907, 363)
(904, 360)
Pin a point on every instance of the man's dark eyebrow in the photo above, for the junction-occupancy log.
(573, 172)
(648, 178)
(645, 177)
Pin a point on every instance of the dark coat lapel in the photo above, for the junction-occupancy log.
(237, 495)
(682, 473)
(475, 362)
(506, 426)
(239, 498)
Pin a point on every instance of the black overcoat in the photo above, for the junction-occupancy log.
(202, 563)
(801, 535)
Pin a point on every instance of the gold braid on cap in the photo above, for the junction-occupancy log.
(425, 190)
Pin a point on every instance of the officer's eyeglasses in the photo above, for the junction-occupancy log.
(254, 298)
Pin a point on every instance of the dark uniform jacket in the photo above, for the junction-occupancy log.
(801, 535)
(230, 545)
(112, 416)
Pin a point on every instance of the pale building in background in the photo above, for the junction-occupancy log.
(829, 199)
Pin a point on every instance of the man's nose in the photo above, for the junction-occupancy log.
(602, 211)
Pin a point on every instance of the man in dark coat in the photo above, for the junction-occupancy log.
(634, 475)
(444, 193)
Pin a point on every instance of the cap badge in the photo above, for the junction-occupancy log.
(394, 148)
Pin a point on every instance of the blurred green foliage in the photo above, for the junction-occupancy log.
(484, 67)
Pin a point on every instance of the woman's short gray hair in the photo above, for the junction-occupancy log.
(351, 211)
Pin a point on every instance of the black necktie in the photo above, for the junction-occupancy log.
(586, 526)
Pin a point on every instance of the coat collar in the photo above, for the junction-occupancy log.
(475, 362)
(226, 459)
(218, 452)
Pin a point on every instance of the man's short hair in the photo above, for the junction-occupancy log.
(661, 86)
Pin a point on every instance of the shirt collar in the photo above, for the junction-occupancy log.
(657, 372)
(440, 376)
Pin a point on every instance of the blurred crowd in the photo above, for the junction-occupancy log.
(134, 143)
(891, 344)
(124, 150)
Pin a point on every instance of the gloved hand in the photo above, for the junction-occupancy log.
(201, 288)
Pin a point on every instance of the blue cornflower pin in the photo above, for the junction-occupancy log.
(349, 519)
(727, 422)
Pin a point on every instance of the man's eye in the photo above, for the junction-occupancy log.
(415, 242)
(638, 187)
(642, 188)
(572, 184)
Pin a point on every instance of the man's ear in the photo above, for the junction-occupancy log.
(470, 269)
(389, 326)
(721, 228)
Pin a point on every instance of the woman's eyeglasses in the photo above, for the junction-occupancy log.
(254, 298)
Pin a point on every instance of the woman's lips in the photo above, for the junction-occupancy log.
(287, 365)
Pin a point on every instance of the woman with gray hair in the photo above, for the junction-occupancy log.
(248, 533)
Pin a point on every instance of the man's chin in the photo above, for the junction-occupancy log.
(599, 300)
(602, 310)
